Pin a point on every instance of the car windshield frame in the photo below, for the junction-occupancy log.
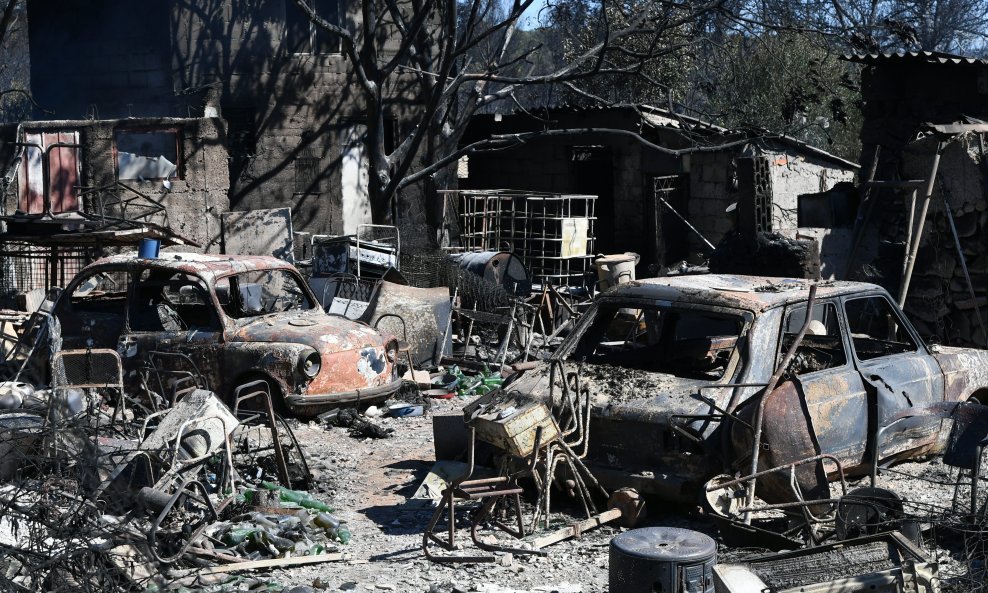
(569, 349)
(233, 304)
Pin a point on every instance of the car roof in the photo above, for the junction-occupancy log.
(753, 293)
(205, 265)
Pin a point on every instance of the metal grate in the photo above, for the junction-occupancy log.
(95, 368)
(27, 267)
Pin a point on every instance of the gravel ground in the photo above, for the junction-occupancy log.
(369, 480)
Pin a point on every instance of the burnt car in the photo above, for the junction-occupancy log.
(237, 319)
(674, 368)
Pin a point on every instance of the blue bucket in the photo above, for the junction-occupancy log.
(148, 248)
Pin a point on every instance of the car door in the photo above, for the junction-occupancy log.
(92, 310)
(832, 391)
(897, 370)
(173, 326)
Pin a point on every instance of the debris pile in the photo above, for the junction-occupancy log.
(99, 494)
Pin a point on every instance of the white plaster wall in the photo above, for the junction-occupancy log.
(792, 175)
(354, 177)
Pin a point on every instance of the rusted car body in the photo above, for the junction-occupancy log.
(237, 318)
(674, 367)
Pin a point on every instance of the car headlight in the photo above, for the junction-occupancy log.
(391, 351)
(309, 364)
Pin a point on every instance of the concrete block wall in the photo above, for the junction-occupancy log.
(939, 302)
(194, 202)
(173, 59)
(630, 222)
(712, 190)
(101, 59)
(794, 174)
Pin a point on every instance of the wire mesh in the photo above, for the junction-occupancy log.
(27, 267)
(553, 234)
(435, 269)
(86, 368)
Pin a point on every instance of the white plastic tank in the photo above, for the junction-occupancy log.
(615, 269)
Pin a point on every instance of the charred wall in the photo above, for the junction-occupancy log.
(899, 97)
(198, 191)
(101, 59)
(294, 119)
(617, 170)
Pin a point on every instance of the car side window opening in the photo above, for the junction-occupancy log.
(261, 292)
(821, 348)
(687, 343)
(101, 292)
(876, 328)
(164, 300)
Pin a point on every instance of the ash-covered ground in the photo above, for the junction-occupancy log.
(369, 481)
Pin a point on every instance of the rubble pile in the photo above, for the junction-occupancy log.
(97, 495)
(556, 418)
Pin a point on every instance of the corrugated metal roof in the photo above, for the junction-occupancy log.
(928, 57)
(715, 136)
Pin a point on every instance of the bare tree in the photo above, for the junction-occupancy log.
(14, 94)
(462, 57)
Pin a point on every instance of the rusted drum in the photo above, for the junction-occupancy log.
(665, 559)
(498, 267)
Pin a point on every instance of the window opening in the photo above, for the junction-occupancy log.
(305, 37)
(822, 346)
(148, 154)
(687, 343)
(169, 301)
(876, 329)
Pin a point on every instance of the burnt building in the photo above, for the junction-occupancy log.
(653, 161)
(923, 130)
(248, 101)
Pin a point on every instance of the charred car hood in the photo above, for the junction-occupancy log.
(624, 393)
(325, 333)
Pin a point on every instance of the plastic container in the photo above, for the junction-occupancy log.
(149, 248)
(615, 269)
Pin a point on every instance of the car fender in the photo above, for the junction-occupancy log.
(277, 359)
(965, 372)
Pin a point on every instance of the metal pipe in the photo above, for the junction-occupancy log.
(686, 222)
(967, 274)
(743, 479)
(909, 227)
(920, 223)
(976, 476)
(864, 211)
(760, 412)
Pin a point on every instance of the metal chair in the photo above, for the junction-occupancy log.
(96, 370)
(488, 491)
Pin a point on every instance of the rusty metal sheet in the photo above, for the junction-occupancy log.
(259, 232)
(422, 319)
(789, 436)
(63, 173)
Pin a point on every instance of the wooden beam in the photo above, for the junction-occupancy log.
(270, 563)
(576, 529)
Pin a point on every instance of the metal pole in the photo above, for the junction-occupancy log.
(960, 255)
(918, 235)
(864, 211)
(909, 229)
(686, 222)
(760, 410)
